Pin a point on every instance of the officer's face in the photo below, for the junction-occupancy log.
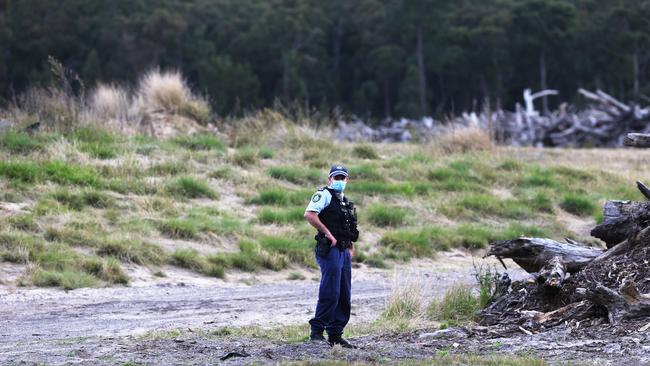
(337, 177)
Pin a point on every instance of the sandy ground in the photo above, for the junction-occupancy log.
(46, 325)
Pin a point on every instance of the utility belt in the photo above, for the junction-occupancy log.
(323, 245)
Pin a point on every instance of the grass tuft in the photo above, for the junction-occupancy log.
(384, 215)
(365, 152)
(578, 205)
(191, 188)
(458, 305)
(200, 142)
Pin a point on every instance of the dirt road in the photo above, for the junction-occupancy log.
(43, 325)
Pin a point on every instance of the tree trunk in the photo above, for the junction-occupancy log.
(542, 76)
(622, 219)
(422, 83)
(635, 66)
(532, 254)
(387, 99)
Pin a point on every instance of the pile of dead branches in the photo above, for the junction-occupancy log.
(572, 283)
(602, 121)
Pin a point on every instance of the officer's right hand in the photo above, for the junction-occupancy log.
(331, 238)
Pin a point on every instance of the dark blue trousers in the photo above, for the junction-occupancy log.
(333, 307)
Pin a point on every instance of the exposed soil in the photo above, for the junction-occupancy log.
(51, 326)
(112, 326)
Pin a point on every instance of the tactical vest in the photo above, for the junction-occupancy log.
(339, 218)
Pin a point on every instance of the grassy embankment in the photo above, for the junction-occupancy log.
(94, 200)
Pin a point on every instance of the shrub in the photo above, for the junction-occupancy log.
(383, 215)
(578, 205)
(365, 152)
(163, 91)
(191, 188)
(457, 305)
(200, 142)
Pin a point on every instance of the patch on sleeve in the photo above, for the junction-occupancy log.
(316, 197)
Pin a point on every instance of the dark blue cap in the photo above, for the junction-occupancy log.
(338, 170)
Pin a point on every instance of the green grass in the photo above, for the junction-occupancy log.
(297, 250)
(281, 216)
(69, 280)
(296, 175)
(96, 142)
(246, 156)
(77, 200)
(21, 143)
(179, 229)
(190, 187)
(458, 305)
(170, 167)
(425, 242)
(133, 250)
(578, 205)
(250, 258)
(384, 215)
(52, 171)
(200, 142)
(281, 197)
(365, 152)
(384, 188)
(192, 260)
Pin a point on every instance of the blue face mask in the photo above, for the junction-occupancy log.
(338, 185)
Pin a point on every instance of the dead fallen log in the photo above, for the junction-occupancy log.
(552, 274)
(627, 303)
(622, 219)
(532, 254)
(575, 311)
(640, 140)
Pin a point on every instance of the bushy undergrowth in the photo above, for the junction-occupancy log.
(458, 305)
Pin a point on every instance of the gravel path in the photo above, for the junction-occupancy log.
(40, 325)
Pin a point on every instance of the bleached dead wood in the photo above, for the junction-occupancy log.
(532, 254)
(641, 140)
(620, 220)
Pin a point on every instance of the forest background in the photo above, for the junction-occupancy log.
(372, 58)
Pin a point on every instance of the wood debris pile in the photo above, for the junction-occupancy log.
(573, 283)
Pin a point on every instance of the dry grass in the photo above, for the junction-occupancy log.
(109, 103)
(462, 140)
(406, 299)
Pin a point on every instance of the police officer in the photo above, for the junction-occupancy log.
(330, 212)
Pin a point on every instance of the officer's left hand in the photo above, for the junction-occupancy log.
(351, 252)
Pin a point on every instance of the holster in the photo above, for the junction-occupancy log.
(323, 245)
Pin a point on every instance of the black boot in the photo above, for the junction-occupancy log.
(337, 339)
(317, 336)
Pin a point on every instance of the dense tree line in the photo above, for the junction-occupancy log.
(370, 57)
